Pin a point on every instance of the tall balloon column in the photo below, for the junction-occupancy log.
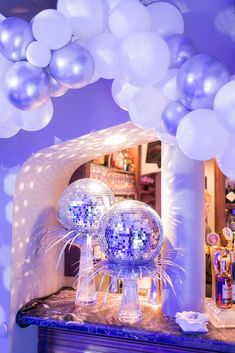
(81, 207)
(131, 237)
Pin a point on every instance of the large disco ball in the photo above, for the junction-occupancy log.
(83, 204)
(131, 231)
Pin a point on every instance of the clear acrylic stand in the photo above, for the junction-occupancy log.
(86, 290)
(130, 309)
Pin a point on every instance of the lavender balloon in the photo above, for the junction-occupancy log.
(181, 49)
(27, 87)
(72, 66)
(172, 115)
(15, 36)
(199, 79)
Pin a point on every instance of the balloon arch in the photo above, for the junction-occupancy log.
(158, 77)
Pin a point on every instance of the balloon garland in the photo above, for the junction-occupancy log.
(158, 77)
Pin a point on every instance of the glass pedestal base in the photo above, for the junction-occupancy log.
(130, 309)
(86, 290)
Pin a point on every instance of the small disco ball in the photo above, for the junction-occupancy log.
(131, 231)
(83, 204)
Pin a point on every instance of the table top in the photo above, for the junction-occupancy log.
(60, 311)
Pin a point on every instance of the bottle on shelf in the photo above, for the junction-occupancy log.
(126, 161)
(223, 286)
(232, 271)
(120, 160)
(230, 193)
(228, 218)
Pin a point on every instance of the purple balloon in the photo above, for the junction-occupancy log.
(27, 87)
(172, 115)
(72, 66)
(181, 49)
(199, 79)
(15, 36)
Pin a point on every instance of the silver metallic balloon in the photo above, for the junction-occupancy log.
(131, 231)
(83, 204)
(72, 66)
(27, 87)
(199, 79)
(181, 49)
(172, 115)
(15, 36)
(57, 90)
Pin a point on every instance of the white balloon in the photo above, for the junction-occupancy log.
(113, 3)
(146, 107)
(224, 106)
(123, 92)
(170, 89)
(38, 54)
(169, 75)
(104, 48)
(51, 28)
(226, 159)
(87, 17)
(37, 119)
(200, 136)
(8, 129)
(169, 85)
(166, 19)
(128, 17)
(143, 59)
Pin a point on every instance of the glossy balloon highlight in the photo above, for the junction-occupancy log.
(199, 79)
(172, 115)
(56, 89)
(181, 49)
(72, 66)
(15, 36)
(27, 87)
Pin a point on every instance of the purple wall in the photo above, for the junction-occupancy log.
(209, 23)
(76, 113)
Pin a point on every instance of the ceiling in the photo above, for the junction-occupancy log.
(25, 8)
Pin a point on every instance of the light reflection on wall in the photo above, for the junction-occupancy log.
(39, 186)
